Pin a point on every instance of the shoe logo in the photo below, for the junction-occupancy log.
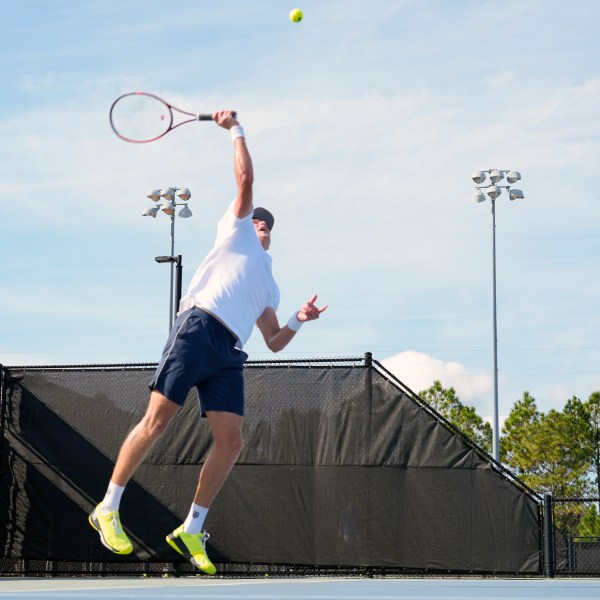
(196, 514)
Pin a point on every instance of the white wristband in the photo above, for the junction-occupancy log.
(236, 132)
(294, 323)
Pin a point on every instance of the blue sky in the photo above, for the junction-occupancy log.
(365, 122)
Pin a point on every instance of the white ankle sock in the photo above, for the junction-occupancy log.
(113, 497)
(195, 519)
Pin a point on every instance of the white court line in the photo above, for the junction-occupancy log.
(335, 588)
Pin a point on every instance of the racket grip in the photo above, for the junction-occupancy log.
(209, 117)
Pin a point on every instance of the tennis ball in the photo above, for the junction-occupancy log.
(296, 15)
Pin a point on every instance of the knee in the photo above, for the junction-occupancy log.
(155, 425)
(230, 445)
(158, 416)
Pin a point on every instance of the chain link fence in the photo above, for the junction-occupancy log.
(576, 536)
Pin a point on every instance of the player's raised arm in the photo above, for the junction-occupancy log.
(242, 163)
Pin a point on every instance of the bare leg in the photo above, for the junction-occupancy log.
(143, 436)
(227, 444)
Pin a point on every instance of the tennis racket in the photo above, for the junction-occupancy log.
(140, 117)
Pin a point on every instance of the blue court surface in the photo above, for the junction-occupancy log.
(302, 588)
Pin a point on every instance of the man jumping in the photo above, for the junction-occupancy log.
(232, 289)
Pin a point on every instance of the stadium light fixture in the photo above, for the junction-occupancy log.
(494, 191)
(185, 212)
(184, 194)
(478, 197)
(513, 176)
(478, 176)
(154, 195)
(515, 194)
(496, 175)
(168, 208)
(150, 212)
(170, 194)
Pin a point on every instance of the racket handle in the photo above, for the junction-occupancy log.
(209, 117)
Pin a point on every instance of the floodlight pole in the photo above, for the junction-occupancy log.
(171, 319)
(493, 191)
(495, 415)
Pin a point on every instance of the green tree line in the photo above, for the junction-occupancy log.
(556, 452)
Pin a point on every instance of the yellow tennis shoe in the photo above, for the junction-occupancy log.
(193, 547)
(108, 525)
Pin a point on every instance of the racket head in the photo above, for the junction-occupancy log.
(140, 117)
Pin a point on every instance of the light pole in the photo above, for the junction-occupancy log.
(168, 207)
(493, 191)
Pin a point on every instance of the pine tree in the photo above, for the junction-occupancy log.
(589, 526)
(516, 446)
(548, 450)
(464, 418)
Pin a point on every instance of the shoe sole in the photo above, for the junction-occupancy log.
(180, 547)
(96, 525)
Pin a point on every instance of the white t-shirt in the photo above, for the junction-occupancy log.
(234, 282)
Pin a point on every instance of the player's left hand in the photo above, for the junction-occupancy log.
(310, 312)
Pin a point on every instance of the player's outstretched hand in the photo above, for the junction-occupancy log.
(310, 312)
(225, 118)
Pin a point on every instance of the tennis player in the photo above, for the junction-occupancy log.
(232, 289)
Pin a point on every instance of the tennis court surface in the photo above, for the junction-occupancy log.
(302, 589)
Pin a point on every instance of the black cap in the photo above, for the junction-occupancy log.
(262, 214)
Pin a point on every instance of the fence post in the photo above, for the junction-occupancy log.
(548, 537)
(369, 397)
(3, 380)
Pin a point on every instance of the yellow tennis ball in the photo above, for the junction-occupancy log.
(296, 15)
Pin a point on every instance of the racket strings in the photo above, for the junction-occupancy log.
(140, 117)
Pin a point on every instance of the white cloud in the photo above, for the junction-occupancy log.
(419, 370)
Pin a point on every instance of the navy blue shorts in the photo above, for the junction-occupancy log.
(201, 353)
